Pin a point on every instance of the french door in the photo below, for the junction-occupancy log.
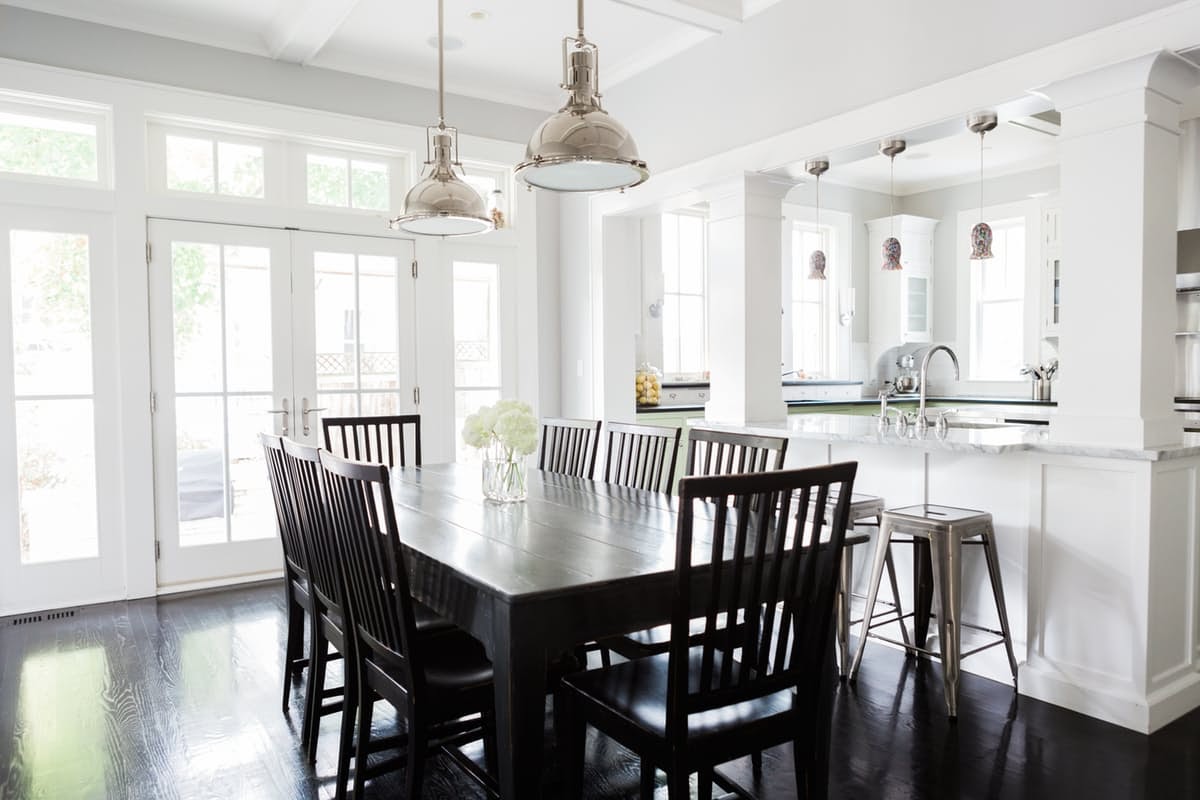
(256, 330)
(60, 541)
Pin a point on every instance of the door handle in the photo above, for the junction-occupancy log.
(286, 415)
(304, 412)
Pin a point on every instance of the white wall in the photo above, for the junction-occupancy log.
(73, 44)
(576, 306)
(549, 305)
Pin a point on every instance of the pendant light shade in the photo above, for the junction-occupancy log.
(981, 234)
(442, 203)
(891, 245)
(581, 148)
(816, 262)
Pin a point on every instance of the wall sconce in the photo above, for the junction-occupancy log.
(846, 306)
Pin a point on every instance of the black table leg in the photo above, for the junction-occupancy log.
(519, 662)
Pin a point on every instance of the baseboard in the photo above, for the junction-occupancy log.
(219, 583)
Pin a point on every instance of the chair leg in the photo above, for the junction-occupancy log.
(605, 657)
(489, 738)
(756, 764)
(890, 565)
(418, 743)
(294, 648)
(648, 775)
(993, 565)
(678, 787)
(845, 584)
(704, 784)
(317, 663)
(349, 715)
(366, 709)
(947, 577)
(881, 549)
(572, 739)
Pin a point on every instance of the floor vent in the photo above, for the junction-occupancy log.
(47, 616)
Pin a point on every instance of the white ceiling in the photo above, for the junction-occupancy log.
(511, 55)
(952, 160)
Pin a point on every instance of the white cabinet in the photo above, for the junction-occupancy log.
(902, 301)
(1051, 271)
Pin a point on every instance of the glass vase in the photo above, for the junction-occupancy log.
(504, 479)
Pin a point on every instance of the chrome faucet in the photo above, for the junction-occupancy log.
(922, 422)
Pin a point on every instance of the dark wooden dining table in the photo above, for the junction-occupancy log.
(577, 561)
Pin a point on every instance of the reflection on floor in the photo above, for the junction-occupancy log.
(179, 699)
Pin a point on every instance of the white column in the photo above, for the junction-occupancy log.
(1119, 157)
(745, 286)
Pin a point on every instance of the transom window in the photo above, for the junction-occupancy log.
(211, 165)
(347, 182)
(998, 305)
(51, 143)
(685, 283)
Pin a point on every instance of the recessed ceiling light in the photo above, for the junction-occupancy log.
(451, 43)
(478, 16)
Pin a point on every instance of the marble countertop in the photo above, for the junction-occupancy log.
(903, 400)
(1006, 438)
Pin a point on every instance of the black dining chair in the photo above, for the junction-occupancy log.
(298, 600)
(728, 453)
(738, 689)
(568, 447)
(392, 440)
(641, 456)
(441, 684)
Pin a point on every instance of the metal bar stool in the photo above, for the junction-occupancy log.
(945, 529)
(863, 508)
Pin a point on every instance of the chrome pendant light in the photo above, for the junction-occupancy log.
(981, 234)
(442, 203)
(891, 245)
(816, 262)
(581, 148)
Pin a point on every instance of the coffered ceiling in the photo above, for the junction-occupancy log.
(501, 50)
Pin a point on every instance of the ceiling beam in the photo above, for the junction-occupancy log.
(298, 34)
(716, 16)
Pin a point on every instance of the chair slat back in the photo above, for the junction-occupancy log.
(312, 514)
(377, 587)
(391, 440)
(294, 552)
(728, 453)
(641, 456)
(569, 446)
(765, 587)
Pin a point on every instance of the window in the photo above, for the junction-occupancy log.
(205, 165)
(345, 182)
(810, 302)
(684, 312)
(47, 143)
(492, 185)
(476, 343)
(997, 306)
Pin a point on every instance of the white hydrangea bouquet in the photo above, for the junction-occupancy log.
(506, 432)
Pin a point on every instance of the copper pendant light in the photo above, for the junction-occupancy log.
(816, 262)
(981, 234)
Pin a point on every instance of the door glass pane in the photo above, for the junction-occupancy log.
(196, 292)
(476, 324)
(248, 318)
(467, 402)
(379, 325)
(381, 404)
(335, 320)
(51, 313)
(338, 405)
(253, 511)
(56, 474)
(200, 462)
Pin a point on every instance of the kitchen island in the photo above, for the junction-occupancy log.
(1099, 548)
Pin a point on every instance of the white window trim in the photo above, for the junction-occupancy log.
(274, 180)
(838, 280)
(1031, 211)
(68, 111)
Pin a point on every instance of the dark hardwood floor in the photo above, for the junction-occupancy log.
(179, 698)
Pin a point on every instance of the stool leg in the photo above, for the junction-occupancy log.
(881, 548)
(993, 565)
(845, 583)
(890, 565)
(947, 575)
(923, 584)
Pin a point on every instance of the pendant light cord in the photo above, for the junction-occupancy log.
(818, 205)
(442, 67)
(579, 14)
(892, 194)
(981, 135)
